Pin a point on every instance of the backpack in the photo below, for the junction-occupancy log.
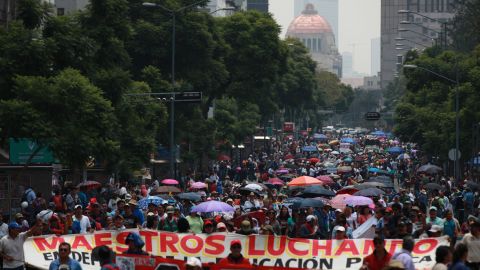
(25, 195)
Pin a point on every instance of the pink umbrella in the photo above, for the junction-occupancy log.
(198, 185)
(326, 180)
(358, 200)
(338, 201)
(276, 181)
(169, 182)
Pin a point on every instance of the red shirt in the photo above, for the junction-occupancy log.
(375, 264)
(230, 260)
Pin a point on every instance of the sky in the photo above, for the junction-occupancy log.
(359, 22)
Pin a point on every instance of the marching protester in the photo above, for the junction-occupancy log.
(64, 262)
(235, 256)
(334, 188)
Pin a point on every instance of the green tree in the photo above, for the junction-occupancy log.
(74, 119)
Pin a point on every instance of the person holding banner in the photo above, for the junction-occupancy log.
(235, 256)
(64, 262)
(379, 257)
(11, 245)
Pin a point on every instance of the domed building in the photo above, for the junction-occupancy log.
(317, 36)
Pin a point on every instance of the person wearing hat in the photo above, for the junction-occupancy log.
(208, 227)
(193, 264)
(432, 218)
(221, 227)
(81, 223)
(135, 244)
(64, 261)
(235, 256)
(117, 223)
(252, 203)
(11, 245)
(340, 232)
(379, 257)
(245, 228)
(309, 228)
(131, 220)
(472, 241)
(170, 222)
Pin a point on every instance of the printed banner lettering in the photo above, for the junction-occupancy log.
(263, 250)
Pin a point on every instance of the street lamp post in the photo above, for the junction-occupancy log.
(444, 24)
(418, 33)
(173, 13)
(457, 118)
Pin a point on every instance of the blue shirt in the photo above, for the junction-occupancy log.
(458, 266)
(406, 258)
(72, 264)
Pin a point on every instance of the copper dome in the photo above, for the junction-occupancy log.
(309, 22)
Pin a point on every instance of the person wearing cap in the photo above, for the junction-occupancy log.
(208, 227)
(81, 223)
(309, 228)
(251, 203)
(379, 257)
(131, 220)
(245, 228)
(221, 227)
(339, 232)
(11, 245)
(168, 223)
(117, 223)
(472, 241)
(135, 244)
(432, 218)
(64, 261)
(235, 256)
(193, 264)
(20, 219)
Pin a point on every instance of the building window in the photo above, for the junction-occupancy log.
(60, 11)
(314, 45)
(425, 30)
(309, 44)
(319, 44)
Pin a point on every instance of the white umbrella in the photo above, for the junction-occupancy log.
(335, 152)
(254, 187)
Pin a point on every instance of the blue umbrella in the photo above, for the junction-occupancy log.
(378, 133)
(143, 203)
(373, 169)
(348, 159)
(347, 140)
(309, 148)
(190, 196)
(395, 150)
(319, 136)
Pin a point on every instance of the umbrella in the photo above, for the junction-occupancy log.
(319, 136)
(169, 182)
(472, 185)
(328, 164)
(430, 169)
(289, 156)
(395, 150)
(304, 181)
(190, 196)
(345, 150)
(335, 152)
(348, 159)
(344, 169)
(334, 142)
(165, 189)
(254, 187)
(347, 140)
(433, 186)
(359, 158)
(212, 206)
(306, 203)
(293, 199)
(358, 200)
(378, 133)
(143, 203)
(282, 171)
(247, 191)
(313, 160)
(380, 178)
(369, 192)
(317, 191)
(403, 156)
(377, 184)
(276, 181)
(223, 158)
(198, 185)
(338, 201)
(347, 190)
(326, 180)
(309, 148)
(89, 184)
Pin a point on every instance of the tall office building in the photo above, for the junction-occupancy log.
(401, 32)
(325, 8)
(374, 56)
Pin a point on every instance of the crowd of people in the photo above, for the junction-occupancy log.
(408, 203)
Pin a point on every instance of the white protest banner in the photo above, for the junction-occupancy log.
(267, 250)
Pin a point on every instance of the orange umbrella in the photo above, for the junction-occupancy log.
(304, 181)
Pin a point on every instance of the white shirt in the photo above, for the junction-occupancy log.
(3, 229)
(13, 248)
(84, 223)
(473, 244)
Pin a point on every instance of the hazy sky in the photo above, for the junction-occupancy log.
(359, 22)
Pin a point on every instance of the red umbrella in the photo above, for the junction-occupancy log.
(89, 184)
(326, 180)
(276, 181)
(347, 190)
(314, 160)
(289, 156)
(223, 158)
